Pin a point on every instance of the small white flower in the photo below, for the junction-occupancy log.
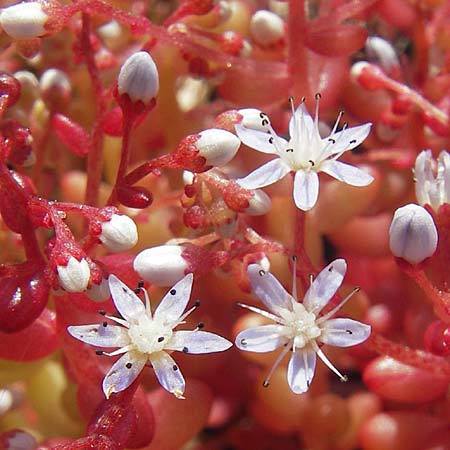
(413, 235)
(74, 276)
(119, 233)
(143, 338)
(306, 154)
(266, 27)
(24, 20)
(217, 146)
(298, 326)
(432, 179)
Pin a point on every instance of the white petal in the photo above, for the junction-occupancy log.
(301, 125)
(325, 286)
(129, 305)
(100, 336)
(265, 175)
(258, 140)
(346, 139)
(265, 338)
(175, 301)
(269, 289)
(344, 332)
(301, 370)
(345, 172)
(197, 342)
(306, 189)
(168, 373)
(120, 376)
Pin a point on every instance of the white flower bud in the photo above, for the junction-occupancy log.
(24, 20)
(266, 27)
(251, 118)
(99, 292)
(382, 52)
(217, 146)
(54, 82)
(119, 233)
(412, 234)
(259, 204)
(139, 78)
(163, 265)
(74, 277)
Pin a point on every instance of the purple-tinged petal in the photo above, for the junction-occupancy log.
(168, 373)
(269, 289)
(301, 370)
(129, 305)
(259, 140)
(346, 173)
(100, 336)
(306, 189)
(265, 338)
(265, 175)
(344, 332)
(175, 301)
(325, 286)
(123, 372)
(197, 342)
(345, 140)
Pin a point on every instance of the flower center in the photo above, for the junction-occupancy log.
(149, 336)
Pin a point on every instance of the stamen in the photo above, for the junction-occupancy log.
(338, 119)
(316, 114)
(262, 313)
(291, 102)
(128, 365)
(99, 352)
(338, 307)
(327, 362)
(189, 311)
(285, 351)
(173, 291)
(201, 325)
(161, 338)
(122, 322)
(102, 312)
(120, 351)
(185, 350)
(294, 277)
(311, 279)
(175, 367)
(262, 273)
(140, 284)
(105, 324)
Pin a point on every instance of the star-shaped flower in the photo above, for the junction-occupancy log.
(298, 326)
(306, 153)
(143, 338)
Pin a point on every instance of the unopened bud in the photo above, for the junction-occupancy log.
(138, 78)
(119, 233)
(56, 88)
(253, 118)
(163, 265)
(217, 146)
(412, 234)
(74, 276)
(266, 27)
(382, 52)
(259, 203)
(24, 20)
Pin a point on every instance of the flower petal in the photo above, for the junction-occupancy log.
(197, 342)
(325, 286)
(175, 301)
(345, 172)
(269, 289)
(129, 305)
(306, 189)
(258, 140)
(301, 125)
(301, 370)
(100, 336)
(265, 338)
(168, 373)
(264, 175)
(345, 140)
(120, 376)
(344, 332)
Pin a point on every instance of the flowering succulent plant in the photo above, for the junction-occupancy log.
(133, 147)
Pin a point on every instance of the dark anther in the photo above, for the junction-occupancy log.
(262, 115)
(243, 342)
(311, 162)
(294, 258)
(289, 150)
(349, 331)
(333, 141)
(318, 96)
(141, 284)
(128, 365)
(160, 339)
(99, 352)
(173, 291)
(124, 290)
(201, 325)
(303, 99)
(175, 367)
(330, 269)
(261, 273)
(105, 324)
(264, 122)
(308, 383)
(197, 303)
(265, 383)
(102, 312)
(353, 141)
(271, 140)
(137, 290)
(185, 350)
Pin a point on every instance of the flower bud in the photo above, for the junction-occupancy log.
(24, 20)
(119, 233)
(163, 265)
(259, 204)
(138, 78)
(217, 146)
(412, 235)
(56, 88)
(74, 276)
(382, 52)
(253, 118)
(266, 27)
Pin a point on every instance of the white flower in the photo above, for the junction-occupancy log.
(432, 179)
(119, 233)
(143, 338)
(298, 326)
(306, 154)
(217, 146)
(75, 275)
(24, 20)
